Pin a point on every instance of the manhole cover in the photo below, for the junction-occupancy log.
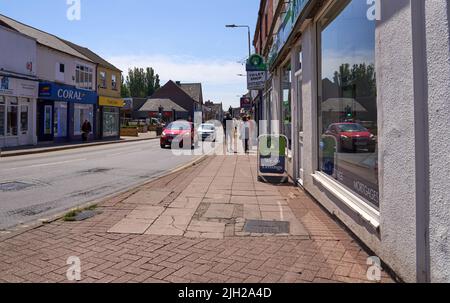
(13, 186)
(266, 227)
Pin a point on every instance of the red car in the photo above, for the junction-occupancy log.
(352, 137)
(180, 132)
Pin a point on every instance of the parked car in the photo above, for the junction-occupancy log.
(352, 137)
(207, 132)
(180, 132)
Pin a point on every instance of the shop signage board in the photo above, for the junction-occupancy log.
(272, 156)
(256, 72)
(256, 80)
(66, 93)
(109, 101)
(246, 103)
(18, 87)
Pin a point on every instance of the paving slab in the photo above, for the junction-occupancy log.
(146, 212)
(206, 227)
(219, 211)
(148, 197)
(131, 226)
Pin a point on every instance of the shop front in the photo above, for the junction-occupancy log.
(62, 110)
(110, 116)
(17, 111)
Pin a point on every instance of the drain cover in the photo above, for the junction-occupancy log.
(267, 227)
(87, 214)
(13, 186)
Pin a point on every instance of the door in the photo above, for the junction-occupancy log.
(25, 127)
(300, 164)
(45, 121)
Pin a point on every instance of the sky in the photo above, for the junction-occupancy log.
(182, 40)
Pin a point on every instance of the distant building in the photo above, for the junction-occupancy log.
(189, 97)
(165, 109)
(213, 111)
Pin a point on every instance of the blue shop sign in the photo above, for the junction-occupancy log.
(66, 93)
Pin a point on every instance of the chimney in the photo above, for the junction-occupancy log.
(178, 83)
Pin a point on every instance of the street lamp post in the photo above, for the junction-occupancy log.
(249, 36)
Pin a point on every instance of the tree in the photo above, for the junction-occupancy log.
(124, 91)
(142, 83)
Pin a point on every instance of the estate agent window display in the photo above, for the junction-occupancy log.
(348, 107)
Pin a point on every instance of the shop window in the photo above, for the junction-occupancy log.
(11, 116)
(82, 112)
(83, 77)
(24, 118)
(2, 116)
(286, 84)
(348, 104)
(60, 120)
(102, 80)
(110, 121)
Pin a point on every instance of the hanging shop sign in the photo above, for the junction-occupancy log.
(246, 103)
(256, 80)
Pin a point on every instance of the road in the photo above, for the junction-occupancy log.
(38, 186)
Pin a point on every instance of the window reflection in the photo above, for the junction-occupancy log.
(348, 111)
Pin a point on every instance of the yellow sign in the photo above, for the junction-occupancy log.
(109, 101)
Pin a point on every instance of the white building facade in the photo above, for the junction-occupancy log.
(362, 89)
(18, 89)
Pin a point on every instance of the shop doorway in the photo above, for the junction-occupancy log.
(300, 149)
(45, 121)
(25, 120)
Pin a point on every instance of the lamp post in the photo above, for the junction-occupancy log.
(248, 28)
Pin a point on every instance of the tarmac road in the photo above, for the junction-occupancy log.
(37, 186)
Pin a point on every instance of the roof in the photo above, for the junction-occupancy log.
(91, 55)
(194, 90)
(340, 104)
(42, 37)
(153, 105)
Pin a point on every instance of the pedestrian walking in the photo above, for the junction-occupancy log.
(86, 130)
(228, 131)
(245, 134)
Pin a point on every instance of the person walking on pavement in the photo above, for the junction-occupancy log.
(86, 129)
(228, 130)
(245, 134)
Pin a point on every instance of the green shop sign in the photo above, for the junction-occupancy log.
(256, 63)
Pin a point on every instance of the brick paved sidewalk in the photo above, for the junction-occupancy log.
(189, 227)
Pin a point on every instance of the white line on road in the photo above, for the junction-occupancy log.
(46, 164)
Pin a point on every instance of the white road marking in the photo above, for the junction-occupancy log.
(44, 165)
(281, 211)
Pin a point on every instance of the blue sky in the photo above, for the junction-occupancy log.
(183, 40)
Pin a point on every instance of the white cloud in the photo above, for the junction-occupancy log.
(218, 77)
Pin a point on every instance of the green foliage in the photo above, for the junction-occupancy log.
(141, 83)
(125, 91)
(360, 79)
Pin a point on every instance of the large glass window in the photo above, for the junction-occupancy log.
(83, 77)
(60, 120)
(286, 83)
(82, 112)
(348, 105)
(12, 117)
(2, 116)
(24, 118)
(110, 121)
